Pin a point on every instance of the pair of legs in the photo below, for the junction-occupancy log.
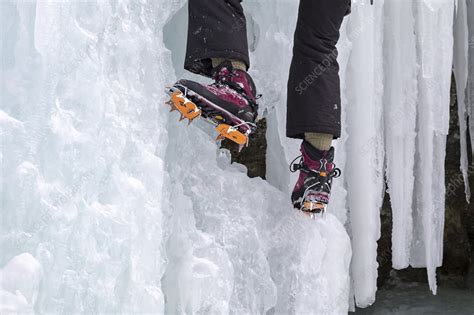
(217, 47)
(217, 30)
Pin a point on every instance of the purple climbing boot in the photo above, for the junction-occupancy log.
(313, 188)
(230, 102)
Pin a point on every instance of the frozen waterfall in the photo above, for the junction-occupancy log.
(109, 205)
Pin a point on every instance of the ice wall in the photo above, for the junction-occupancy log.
(125, 209)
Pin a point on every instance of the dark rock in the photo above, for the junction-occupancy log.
(384, 248)
(253, 156)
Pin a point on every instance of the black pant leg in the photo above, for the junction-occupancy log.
(314, 103)
(217, 28)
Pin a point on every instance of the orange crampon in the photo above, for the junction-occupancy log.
(311, 206)
(187, 108)
(313, 209)
(191, 111)
(226, 131)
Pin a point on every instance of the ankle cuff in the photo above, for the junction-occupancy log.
(236, 64)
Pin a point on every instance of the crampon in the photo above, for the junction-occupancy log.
(191, 105)
(313, 209)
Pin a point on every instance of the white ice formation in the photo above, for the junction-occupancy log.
(19, 284)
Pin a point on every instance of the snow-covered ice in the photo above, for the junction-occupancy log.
(19, 284)
(113, 206)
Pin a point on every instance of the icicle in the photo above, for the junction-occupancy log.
(461, 44)
(434, 47)
(400, 122)
(470, 80)
(365, 185)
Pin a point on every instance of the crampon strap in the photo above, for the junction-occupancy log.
(300, 166)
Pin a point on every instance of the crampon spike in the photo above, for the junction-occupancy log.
(311, 215)
(312, 208)
(187, 108)
(226, 131)
(172, 107)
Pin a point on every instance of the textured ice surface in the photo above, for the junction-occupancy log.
(19, 284)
